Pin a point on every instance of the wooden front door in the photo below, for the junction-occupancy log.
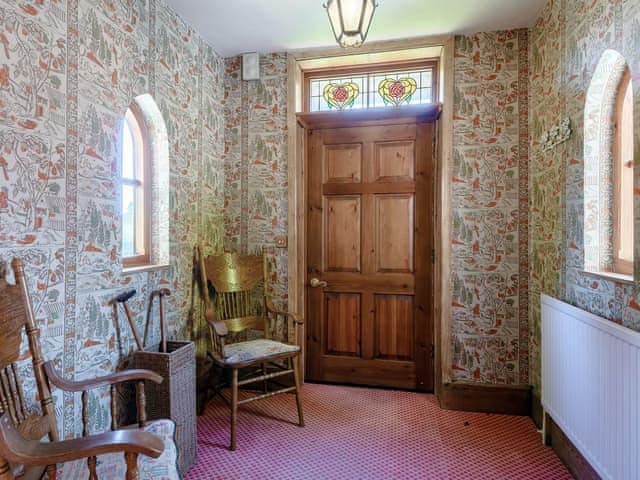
(369, 254)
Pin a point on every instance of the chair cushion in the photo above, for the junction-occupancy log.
(113, 465)
(255, 349)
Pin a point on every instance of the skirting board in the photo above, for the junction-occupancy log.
(568, 453)
(504, 399)
(536, 411)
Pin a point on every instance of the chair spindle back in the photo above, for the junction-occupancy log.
(16, 313)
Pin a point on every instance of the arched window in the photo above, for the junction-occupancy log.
(136, 192)
(608, 169)
(623, 178)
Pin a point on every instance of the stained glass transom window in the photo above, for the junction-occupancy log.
(371, 90)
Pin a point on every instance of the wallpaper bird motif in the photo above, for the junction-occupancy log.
(68, 71)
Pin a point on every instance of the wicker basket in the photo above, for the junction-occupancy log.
(175, 397)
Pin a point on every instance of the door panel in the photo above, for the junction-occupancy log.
(394, 233)
(342, 324)
(343, 163)
(394, 161)
(394, 327)
(342, 233)
(369, 237)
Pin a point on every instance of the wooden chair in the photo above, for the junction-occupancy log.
(21, 433)
(229, 283)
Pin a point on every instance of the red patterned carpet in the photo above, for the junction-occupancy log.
(358, 433)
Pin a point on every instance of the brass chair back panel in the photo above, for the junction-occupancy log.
(231, 272)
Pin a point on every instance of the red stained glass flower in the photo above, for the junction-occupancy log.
(396, 89)
(340, 94)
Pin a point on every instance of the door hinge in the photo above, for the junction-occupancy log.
(433, 256)
(433, 351)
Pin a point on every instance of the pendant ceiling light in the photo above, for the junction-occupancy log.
(350, 20)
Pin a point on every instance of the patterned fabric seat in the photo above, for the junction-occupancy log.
(113, 466)
(254, 349)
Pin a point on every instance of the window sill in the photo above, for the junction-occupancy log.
(612, 276)
(144, 268)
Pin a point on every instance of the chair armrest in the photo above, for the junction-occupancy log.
(218, 325)
(297, 319)
(14, 447)
(131, 375)
(217, 332)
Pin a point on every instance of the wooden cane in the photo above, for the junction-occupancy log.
(163, 328)
(194, 284)
(123, 300)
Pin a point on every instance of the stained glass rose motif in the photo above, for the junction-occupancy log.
(398, 91)
(341, 95)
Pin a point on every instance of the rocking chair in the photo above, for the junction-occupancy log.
(233, 279)
(21, 433)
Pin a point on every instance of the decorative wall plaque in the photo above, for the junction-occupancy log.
(556, 135)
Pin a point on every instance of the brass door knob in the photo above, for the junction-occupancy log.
(315, 283)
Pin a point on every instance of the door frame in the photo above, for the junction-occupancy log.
(298, 62)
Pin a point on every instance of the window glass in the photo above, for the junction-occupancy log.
(128, 152)
(135, 193)
(128, 221)
(371, 90)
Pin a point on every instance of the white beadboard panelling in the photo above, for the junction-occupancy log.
(590, 386)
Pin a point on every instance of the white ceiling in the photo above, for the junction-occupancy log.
(237, 26)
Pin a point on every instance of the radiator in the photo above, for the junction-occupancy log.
(591, 386)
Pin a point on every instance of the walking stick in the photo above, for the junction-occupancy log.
(123, 300)
(163, 292)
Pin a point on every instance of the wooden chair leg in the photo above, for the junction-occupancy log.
(5, 470)
(296, 376)
(132, 465)
(234, 406)
(264, 382)
(91, 463)
(52, 472)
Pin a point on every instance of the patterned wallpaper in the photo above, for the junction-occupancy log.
(68, 70)
(256, 164)
(567, 43)
(490, 209)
